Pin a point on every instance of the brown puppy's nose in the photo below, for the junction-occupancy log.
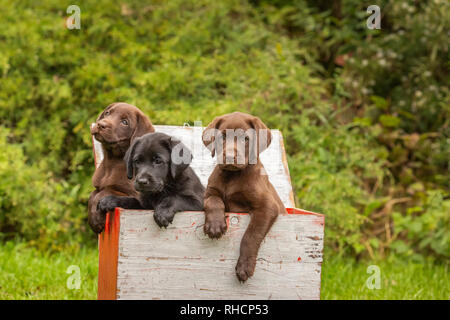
(102, 125)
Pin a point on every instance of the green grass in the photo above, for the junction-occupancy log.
(26, 273)
(344, 278)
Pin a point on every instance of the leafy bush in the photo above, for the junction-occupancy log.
(34, 205)
(392, 84)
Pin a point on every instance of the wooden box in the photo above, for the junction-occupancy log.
(138, 260)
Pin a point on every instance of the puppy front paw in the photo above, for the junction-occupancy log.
(107, 204)
(245, 268)
(215, 227)
(97, 222)
(163, 217)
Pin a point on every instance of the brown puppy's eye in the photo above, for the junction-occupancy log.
(107, 113)
(124, 122)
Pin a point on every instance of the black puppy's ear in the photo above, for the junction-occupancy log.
(180, 157)
(129, 158)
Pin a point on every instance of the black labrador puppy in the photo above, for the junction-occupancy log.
(160, 165)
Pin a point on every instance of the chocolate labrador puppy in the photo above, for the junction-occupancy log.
(160, 165)
(239, 183)
(116, 127)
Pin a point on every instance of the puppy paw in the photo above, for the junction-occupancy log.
(163, 218)
(215, 227)
(107, 204)
(97, 222)
(245, 268)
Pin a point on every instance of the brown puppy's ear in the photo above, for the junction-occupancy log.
(208, 136)
(258, 125)
(107, 108)
(143, 126)
(129, 159)
(180, 157)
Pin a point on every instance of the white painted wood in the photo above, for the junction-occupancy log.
(203, 164)
(181, 262)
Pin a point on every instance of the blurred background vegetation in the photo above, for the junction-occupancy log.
(365, 113)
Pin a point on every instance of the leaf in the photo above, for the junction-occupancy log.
(279, 49)
(379, 102)
(400, 246)
(389, 121)
(371, 207)
(363, 122)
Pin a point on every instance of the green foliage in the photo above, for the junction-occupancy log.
(34, 205)
(364, 112)
(393, 84)
(425, 227)
(331, 164)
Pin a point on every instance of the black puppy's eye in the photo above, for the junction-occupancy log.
(136, 161)
(157, 161)
(124, 122)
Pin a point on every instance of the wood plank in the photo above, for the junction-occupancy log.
(181, 262)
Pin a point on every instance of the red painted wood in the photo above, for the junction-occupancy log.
(108, 247)
(300, 211)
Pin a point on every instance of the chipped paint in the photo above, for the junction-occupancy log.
(151, 267)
